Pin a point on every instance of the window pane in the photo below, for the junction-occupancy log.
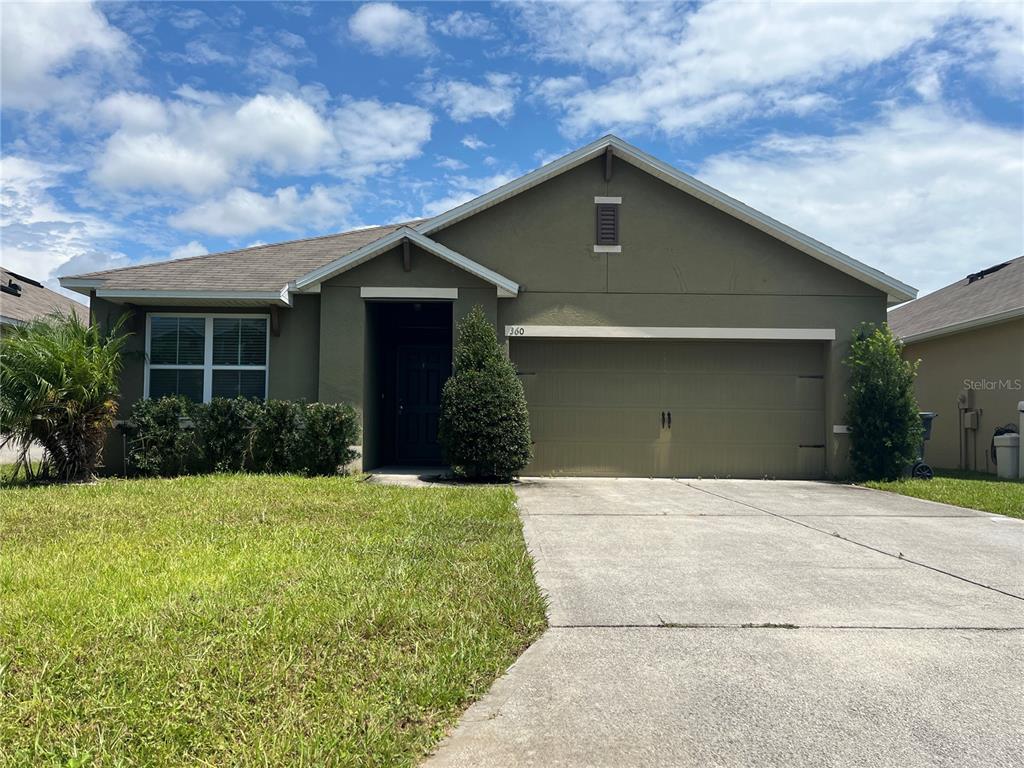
(170, 381)
(252, 384)
(253, 342)
(163, 343)
(191, 336)
(244, 383)
(225, 383)
(225, 341)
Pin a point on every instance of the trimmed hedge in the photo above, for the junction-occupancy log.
(172, 436)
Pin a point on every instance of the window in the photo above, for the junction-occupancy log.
(201, 357)
(607, 224)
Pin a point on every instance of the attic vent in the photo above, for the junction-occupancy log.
(607, 224)
(975, 277)
(12, 288)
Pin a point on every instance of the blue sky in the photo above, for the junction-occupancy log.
(893, 132)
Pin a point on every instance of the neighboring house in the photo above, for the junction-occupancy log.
(660, 327)
(23, 299)
(969, 337)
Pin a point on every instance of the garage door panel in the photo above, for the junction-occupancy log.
(607, 424)
(587, 387)
(740, 409)
(599, 459)
(715, 390)
(754, 427)
(743, 460)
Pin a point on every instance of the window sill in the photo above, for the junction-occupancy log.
(607, 249)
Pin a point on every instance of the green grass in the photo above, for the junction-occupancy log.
(973, 490)
(245, 620)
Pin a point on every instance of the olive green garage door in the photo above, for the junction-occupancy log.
(668, 408)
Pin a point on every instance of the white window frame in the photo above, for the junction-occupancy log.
(207, 367)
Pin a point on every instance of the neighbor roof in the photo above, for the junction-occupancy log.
(990, 296)
(35, 300)
(271, 273)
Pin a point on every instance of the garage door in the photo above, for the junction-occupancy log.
(655, 408)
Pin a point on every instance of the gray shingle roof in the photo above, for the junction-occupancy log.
(35, 300)
(260, 268)
(997, 292)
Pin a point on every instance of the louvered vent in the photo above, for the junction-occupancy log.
(607, 224)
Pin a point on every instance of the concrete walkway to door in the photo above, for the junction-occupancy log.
(755, 623)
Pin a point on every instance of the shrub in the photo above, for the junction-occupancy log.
(328, 434)
(224, 427)
(162, 440)
(485, 427)
(278, 432)
(59, 387)
(239, 434)
(885, 428)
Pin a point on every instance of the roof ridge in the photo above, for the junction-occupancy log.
(162, 262)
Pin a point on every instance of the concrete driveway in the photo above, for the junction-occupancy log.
(753, 623)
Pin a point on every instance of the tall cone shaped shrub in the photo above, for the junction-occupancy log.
(485, 427)
(885, 427)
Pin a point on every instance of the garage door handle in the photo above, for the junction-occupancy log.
(662, 419)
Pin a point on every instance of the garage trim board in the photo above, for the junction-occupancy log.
(656, 332)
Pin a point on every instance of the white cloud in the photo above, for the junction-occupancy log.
(202, 52)
(464, 101)
(677, 69)
(462, 189)
(242, 211)
(39, 236)
(54, 53)
(450, 164)
(464, 24)
(373, 134)
(926, 196)
(210, 142)
(190, 249)
(388, 29)
(137, 112)
(158, 161)
(188, 18)
(474, 143)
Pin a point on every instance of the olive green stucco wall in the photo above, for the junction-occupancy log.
(989, 361)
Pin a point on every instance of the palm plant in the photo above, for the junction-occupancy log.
(58, 388)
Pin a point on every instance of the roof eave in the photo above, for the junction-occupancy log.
(310, 282)
(281, 298)
(966, 325)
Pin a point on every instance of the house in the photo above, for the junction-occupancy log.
(23, 299)
(660, 327)
(969, 337)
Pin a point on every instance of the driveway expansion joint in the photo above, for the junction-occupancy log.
(836, 535)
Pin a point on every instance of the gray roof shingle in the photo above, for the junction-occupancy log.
(260, 268)
(966, 300)
(35, 300)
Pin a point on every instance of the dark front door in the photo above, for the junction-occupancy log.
(422, 371)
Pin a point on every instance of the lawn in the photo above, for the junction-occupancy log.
(247, 620)
(964, 489)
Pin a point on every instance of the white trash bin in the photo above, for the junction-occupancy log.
(1007, 455)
